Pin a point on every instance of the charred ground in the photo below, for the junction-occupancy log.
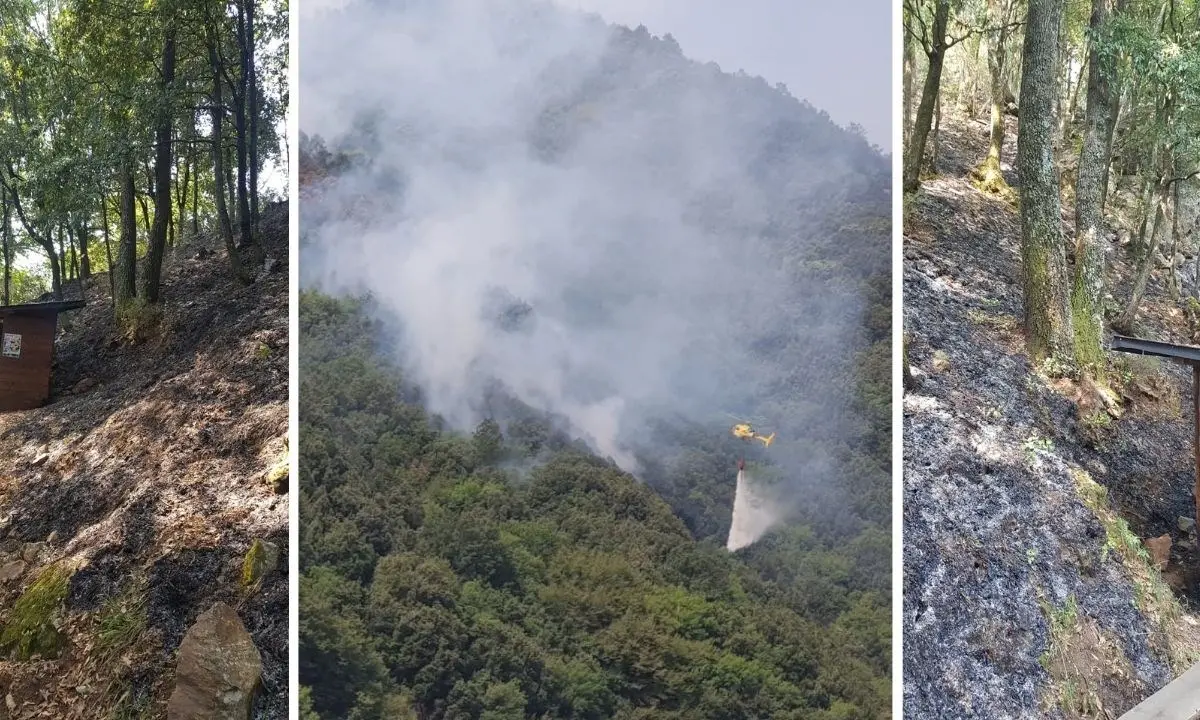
(1033, 526)
(148, 476)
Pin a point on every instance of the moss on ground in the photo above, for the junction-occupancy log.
(29, 630)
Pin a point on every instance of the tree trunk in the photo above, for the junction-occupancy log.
(230, 185)
(1043, 258)
(988, 173)
(910, 63)
(934, 133)
(56, 265)
(83, 232)
(1084, 71)
(152, 277)
(1125, 322)
(914, 153)
(245, 226)
(196, 198)
(145, 211)
(183, 186)
(112, 287)
(125, 271)
(74, 272)
(1114, 112)
(1174, 276)
(1146, 203)
(1087, 288)
(223, 221)
(6, 217)
(252, 103)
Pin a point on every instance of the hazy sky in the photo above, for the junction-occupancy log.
(628, 226)
(836, 55)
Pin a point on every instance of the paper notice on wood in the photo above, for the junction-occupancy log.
(12, 345)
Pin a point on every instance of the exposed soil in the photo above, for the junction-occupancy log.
(1023, 594)
(149, 469)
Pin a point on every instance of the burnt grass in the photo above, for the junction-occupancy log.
(996, 534)
(150, 463)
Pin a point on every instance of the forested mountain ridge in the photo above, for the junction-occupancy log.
(438, 583)
(466, 552)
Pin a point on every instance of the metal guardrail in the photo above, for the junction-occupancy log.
(1184, 353)
(1140, 346)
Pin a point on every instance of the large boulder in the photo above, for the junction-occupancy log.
(219, 669)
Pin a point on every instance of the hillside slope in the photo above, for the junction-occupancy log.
(543, 268)
(1029, 590)
(512, 574)
(130, 500)
(727, 237)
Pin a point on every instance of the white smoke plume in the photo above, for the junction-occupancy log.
(506, 171)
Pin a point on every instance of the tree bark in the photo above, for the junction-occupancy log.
(1043, 258)
(145, 212)
(914, 152)
(245, 224)
(196, 198)
(1173, 265)
(1126, 321)
(65, 267)
(934, 134)
(1087, 287)
(85, 259)
(223, 220)
(910, 62)
(989, 172)
(125, 272)
(152, 277)
(184, 188)
(73, 248)
(252, 104)
(112, 287)
(6, 217)
(1115, 112)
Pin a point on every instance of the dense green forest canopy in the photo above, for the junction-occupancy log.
(550, 452)
(436, 578)
(129, 128)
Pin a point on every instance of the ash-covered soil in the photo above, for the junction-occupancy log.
(1023, 596)
(149, 468)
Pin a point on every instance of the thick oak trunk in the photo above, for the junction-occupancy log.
(1043, 258)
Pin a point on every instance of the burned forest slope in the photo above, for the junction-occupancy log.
(1047, 538)
(129, 502)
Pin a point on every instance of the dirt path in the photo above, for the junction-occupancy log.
(148, 475)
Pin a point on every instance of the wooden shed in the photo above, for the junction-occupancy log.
(27, 352)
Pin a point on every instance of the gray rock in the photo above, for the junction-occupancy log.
(10, 571)
(219, 669)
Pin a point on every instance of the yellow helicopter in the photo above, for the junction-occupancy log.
(745, 431)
